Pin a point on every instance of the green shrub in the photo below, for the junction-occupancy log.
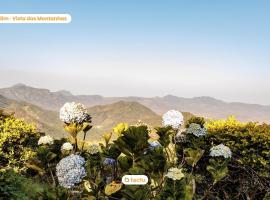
(216, 159)
(18, 141)
(17, 187)
(249, 170)
(250, 142)
(14, 186)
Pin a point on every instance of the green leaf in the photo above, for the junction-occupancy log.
(218, 170)
(120, 128)
(86, 127)
(188, 189)
(50, 156)
(133, 141)
(112, 188)
(125, 162)
(192, 156)
(136, 171)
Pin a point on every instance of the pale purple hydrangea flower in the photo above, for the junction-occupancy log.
(173, 118)
(70, 171)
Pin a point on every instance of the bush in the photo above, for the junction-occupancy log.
(223, 159)
(15, 186)
(250, 166)
(250, 142)
(18, 141)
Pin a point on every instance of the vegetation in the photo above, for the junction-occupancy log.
(17, 142)
(217, 159)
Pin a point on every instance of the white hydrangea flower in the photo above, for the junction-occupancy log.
(70, 170)
(93, 149)
(220, 150)
(196, 130)
(173, 118)
(67, 146)
(73, 113)
(45, 140)
(175, 174)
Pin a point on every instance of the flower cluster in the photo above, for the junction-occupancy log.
(175, 174)
(221, 150)
(73, 113)
(70, 170)
(196, 130)
(45, 140)
(154, 144)
(93, 149)
(67, 146)
(173, 118)
(180, 137)
(109, 162)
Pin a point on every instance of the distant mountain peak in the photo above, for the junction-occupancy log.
(170, 96)
(64, 93)
(207, 99)
(18, 85)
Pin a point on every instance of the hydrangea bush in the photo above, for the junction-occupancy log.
(203, 160)
(70, 170)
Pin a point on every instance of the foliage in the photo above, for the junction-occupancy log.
(249, 170)
(250, 142)
(18, 187)
(18, 141)
(179, 163)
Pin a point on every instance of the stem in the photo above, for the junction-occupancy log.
(207, 192)
(76, 144)
(54, 184)
(174, 190)
(84, 135)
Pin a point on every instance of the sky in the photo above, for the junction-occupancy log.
(186, 48)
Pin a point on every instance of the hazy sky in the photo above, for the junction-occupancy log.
(142, 48)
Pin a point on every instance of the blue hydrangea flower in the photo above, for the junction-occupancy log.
(109, 161)
(154, 144)
(70, 170)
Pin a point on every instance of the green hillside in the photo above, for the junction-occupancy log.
(104, 117)
(45, 120)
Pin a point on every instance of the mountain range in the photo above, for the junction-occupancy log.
(104, 117)
(202, 106)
